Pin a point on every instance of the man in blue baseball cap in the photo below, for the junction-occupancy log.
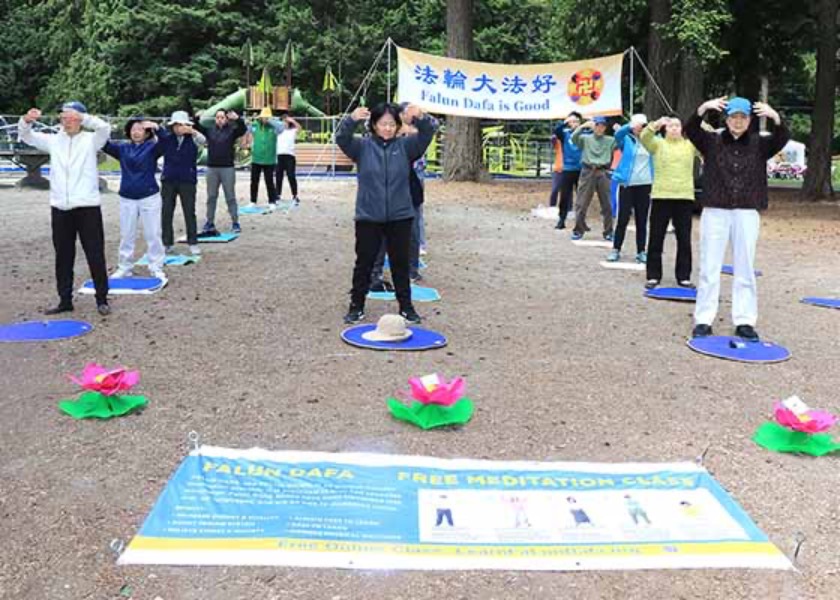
(734, 190)
(74, 197)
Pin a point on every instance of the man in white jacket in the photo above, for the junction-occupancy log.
(74, 197)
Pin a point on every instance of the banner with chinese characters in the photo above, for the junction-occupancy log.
(472, 89)
(376, 511)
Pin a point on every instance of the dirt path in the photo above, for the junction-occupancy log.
(565, 360)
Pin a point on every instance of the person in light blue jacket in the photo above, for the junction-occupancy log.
(634, 176)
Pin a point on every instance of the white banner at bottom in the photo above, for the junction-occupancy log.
(370, 511)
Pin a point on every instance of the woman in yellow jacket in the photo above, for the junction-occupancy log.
(672, 197)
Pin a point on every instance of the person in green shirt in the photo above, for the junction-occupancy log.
(263, 141)
(672, 197)
(596, 159)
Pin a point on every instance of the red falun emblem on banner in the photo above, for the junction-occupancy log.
(585, 86)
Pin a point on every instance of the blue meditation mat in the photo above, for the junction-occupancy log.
(171, 260)
(720, 346)
(418, 294)
(250, 209)
(43, 331)
(222, 238)
(730, 270)
(679, 294)
(421, 339)
(387, 264)
(824, 302)
(127, 285)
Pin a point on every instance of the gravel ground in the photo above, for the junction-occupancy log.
(565, 360)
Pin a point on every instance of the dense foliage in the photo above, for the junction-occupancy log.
(125, 56)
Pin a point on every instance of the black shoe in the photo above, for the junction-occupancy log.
(410, 315)
(354, 315)
(560, 225)
(416, 278)
(701, 331)
(103, 309)
(379, 286)
(61, 308)
(746, 332)
(208, 233)
(651, 283)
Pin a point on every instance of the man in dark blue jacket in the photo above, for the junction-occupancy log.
(179, 179)
(221, 140)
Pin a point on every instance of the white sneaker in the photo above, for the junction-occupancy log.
(272, 207)
(169, 249)
(122, 273)
(423, 251)
(195, 250)
(159, 275)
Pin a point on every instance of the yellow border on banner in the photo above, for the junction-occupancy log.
(530, 551)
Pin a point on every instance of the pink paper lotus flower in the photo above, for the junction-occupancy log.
(444, 393)
(109, 382)
(813, 421)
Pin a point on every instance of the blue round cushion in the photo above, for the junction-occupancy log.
(680, 294)
(825, 302)
(41, 331)
(720, 346)
(421, 339)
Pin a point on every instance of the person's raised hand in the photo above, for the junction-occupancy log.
(411, 112)
(150, 125)
(589, 125)
(616, 127)
(360, 114)
(716, 104)
(660, 123)
(763, 109)
(232, 115)
(32, 115)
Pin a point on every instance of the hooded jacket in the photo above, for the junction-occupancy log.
(384, 166)
(138, 164)
(74, 175)
(629, 146)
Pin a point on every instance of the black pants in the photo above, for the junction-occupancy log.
(568, 185)
(286, 164)
(679, 213)
(170, 191)
(369, 236)
(635, 199)
(86, 223)
(268, 174)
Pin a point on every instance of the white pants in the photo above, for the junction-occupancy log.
(147, 210)
(718, 227)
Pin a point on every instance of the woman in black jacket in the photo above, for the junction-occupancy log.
(384, 209)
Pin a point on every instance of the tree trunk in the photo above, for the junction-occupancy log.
(818, 176)
(462, 141)
(660, 60)
(690, 92)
